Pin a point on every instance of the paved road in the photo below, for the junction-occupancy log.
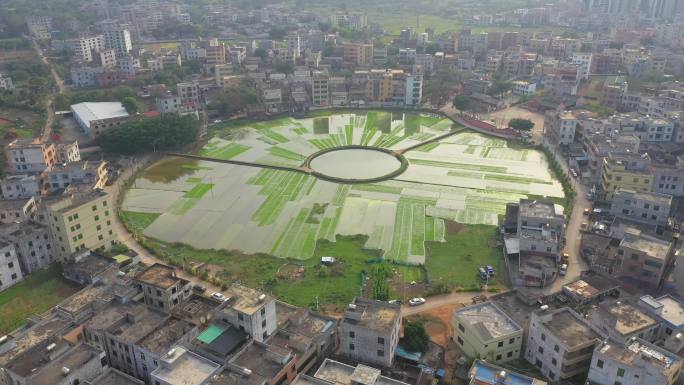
(573, 235)
(49, 106)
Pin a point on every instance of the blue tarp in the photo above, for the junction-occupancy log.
(411, 356)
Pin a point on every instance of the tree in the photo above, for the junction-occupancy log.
(277, 33)
(131, 105)
(461, 103)
(234, 100)
(499, 88)
(283, 67)
(262, 53)
(150, 134)
(521, 124)
(415, 337)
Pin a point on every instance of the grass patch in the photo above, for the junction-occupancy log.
(455, 261)
(34, 295)
(462, 166)
(199, 190)
(138, 221)
(225, 152)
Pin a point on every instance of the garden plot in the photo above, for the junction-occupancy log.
(466, 178)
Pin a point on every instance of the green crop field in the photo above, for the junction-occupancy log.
(229, 214)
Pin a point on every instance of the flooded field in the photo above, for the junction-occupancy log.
(466, 178)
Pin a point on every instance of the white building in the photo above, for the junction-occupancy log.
(32, 243)
(369, 332)
(181, 366)
(560, 127)
(523, 88)
(583, 62)
(118, 38)
(6, 83)
(635, 363)
(10, 272)
(414, 90)
(82, 76)
(20, 186)
(84, 47)
(560, 343)
(95, 118)
(128, 65)
(249, 310)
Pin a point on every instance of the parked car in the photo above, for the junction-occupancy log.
(218, 296)
(490, 270)
(482, 273)
(563, 269)
(565, 258)
(199, 288)
(416, 301)
(586, 211)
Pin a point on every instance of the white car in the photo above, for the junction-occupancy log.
(416, 301)
(218, 296)
(563, 269)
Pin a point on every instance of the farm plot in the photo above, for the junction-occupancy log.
(466, 178)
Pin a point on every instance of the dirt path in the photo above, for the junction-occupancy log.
(440, 301)
(128, 239)
(49, 105)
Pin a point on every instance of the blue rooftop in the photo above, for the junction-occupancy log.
(491, 374)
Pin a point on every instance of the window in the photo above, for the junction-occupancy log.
(509, 354)
(538, 363)
(263, 311)
(556, 348)
(381, 353)
(381, 340)
(554, 362)
(500, 344)
(94, 207)
(263, 336)
(620, 372)
(351, 346)
(543, 337)
(541, 350)
(263, 323)
(461, 328)
(552, 375)
(460, 340)
(351, 334)
(498, 357)
(240, 317)
(511, 341)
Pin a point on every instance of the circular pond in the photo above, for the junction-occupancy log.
(356, 164)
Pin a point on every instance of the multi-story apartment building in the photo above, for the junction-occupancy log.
(10, 270)
(6, 82)
(181, 366)
(17, 210)
(645, 207)
(249, 310)
(32, 243)
(635, 362)
(643, 259)
(106, 58)
(82, 220)
(269, 365)
(628, 171)
(622, 321)
(668, 311)
(161, 287)
(560, 127)
(189, 93)
(20, 186)
(320, 94)
(94, 174)
(668, 176)
(369, 332)
(68, 152)
(85, 46)
(540, 228)
(118, 38)
(583, 62)
(29, 156)
(560, 343)
(485, 331)
(358, 53)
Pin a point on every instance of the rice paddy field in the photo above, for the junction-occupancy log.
(464, 178)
